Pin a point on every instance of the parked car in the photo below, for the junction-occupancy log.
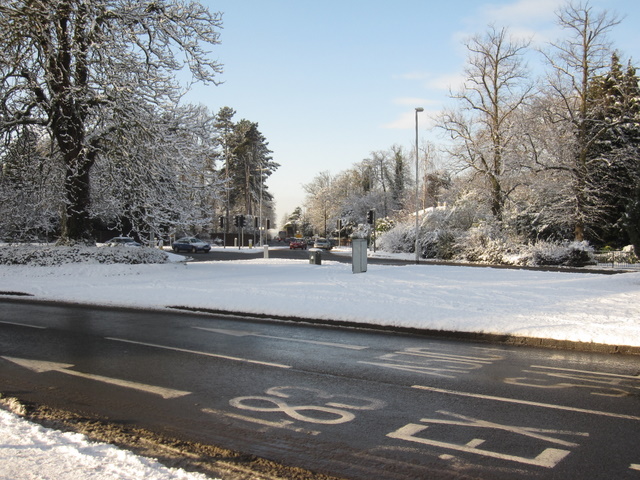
(122, 242)
(190, 244)
(297, 243)
(322, 243)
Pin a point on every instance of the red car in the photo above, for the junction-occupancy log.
(293, 244)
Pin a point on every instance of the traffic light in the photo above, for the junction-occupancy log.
(221, 221)
(268, 224)
(255, 222)
(238, 221)
(370, 216)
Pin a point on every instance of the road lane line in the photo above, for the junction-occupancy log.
(240, 333)
(196, 352)
(589, 372)
(23, 325)
(526, 402)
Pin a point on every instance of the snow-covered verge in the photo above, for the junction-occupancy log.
(30, 451)
(579, 307)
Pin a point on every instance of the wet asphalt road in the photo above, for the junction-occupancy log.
(351, 403)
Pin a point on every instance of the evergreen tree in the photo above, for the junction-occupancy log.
(615, 151)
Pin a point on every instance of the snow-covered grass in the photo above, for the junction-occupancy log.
(30, 451)
(582, 307)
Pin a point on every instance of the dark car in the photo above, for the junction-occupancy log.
(190, 244)
(297, 243)
(122, 242)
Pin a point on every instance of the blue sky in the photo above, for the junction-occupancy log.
(331, 81)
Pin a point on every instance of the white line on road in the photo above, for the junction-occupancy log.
(23, 325)
(284, 424)
(526, 402)
(44, 366)
(600, 374)
(240, 333)
(195, 352)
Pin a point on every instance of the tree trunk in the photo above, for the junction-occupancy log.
(68, 132)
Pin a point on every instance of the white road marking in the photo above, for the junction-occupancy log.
(44, 366)
(548, 458)
(206, 354)
(527, 402)
(284, 424)
(635, 466)
(23, 325)
(437, 372)
(538, 433)
(599, 374)
(240, 333)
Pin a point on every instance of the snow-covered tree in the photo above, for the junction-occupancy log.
(81, 69)
(249, 166)
(615, 152)
(321, 204)
(160, 178)
(482, 128)
(575, 61)
(29, 188)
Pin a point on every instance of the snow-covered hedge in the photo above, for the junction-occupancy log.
(444, 237)
(571, 254)
(49, 255)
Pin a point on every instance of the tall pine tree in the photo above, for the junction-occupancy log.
(615, 152)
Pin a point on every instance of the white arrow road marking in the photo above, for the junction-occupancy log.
(240, 333)
(195, 352)
(43, 366)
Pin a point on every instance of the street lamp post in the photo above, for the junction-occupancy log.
(418, 110)
(260, 208)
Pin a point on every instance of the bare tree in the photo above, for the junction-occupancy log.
(321, 202)
(73, 67)
(482, 128)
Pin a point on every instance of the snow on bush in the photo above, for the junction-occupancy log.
(400, 239)
(447, 235)
(571, 254)
(49, 255)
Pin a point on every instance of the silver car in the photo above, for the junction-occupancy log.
(122, 242)
(322, 243)
(190, 244)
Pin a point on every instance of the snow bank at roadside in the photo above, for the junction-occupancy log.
(30, 451)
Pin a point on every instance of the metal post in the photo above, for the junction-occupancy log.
(418, 109)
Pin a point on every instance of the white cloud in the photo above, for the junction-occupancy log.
(412, 101)
(522, 11)
(412, 76)
(450, 81)
(407, 120)
(525, 19)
